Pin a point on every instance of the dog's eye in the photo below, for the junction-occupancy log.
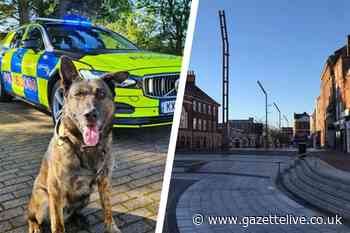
(80, 94)
(101, 94)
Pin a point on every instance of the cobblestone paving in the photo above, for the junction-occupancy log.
(241, 186)
(140, 154)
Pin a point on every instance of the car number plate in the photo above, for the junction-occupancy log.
(167, 106)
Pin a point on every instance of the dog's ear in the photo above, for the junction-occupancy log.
(118, 77)
(68, 73)
(111, 78)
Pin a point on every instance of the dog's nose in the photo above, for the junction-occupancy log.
(91, 115)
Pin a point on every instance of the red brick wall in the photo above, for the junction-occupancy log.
(342, 82)
(323, 102)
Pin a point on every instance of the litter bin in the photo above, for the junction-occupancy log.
(302, 148)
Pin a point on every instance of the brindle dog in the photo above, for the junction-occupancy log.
(79, 154)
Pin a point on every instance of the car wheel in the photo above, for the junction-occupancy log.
(4, 97)
(57, 101)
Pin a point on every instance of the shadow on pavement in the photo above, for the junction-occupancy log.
(94, 224)
(177, 187)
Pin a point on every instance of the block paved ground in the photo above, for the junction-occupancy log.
(140, 154)
(240, 185)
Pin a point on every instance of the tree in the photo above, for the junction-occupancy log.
(173, 18)
(14, 10)
(23, 11)
(43, 8)
(157, 25)
(106, 10)
(19, 12)
(138, 28)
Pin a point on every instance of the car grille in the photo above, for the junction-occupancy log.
(160, 86)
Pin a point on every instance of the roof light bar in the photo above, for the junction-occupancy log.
(68, 21)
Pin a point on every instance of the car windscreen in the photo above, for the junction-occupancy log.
(85, 39)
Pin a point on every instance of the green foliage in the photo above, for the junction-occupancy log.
(113, 10)
(173, 18)
(44, 8)
(8, 11)
(2, 36)
(140, 29)
(157, 25)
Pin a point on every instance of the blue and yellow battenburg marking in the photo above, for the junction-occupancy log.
(31, 89)
(26, 73)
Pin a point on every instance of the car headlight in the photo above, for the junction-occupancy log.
(92, 74)
(127, 82)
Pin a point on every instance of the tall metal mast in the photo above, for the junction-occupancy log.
(279, 115)
(284, 116)
(266, 122)
(225, 75)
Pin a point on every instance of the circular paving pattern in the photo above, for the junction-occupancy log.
(249, 191)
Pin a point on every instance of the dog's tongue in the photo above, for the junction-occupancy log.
(91, 136)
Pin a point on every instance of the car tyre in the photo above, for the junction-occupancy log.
(4, 97)
(56, 101)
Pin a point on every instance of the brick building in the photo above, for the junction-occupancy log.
(314, 133)
(301, 127)
(245, 133)
(287, 135)
(333, 104)
(199, 120)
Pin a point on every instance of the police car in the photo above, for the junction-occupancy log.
(29, 61)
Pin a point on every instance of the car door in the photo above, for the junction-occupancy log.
(30, 62)
(11, 65)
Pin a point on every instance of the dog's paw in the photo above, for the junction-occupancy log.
(112, 228)
(35, 230)
(33, 227)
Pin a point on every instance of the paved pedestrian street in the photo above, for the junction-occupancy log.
(140, 155)
(239, 186)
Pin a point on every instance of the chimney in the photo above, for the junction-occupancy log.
(191, 77)
(348, 46)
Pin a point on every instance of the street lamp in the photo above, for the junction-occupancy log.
(279, 115)
(266, 127)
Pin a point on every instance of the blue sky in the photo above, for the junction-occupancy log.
(284, 44)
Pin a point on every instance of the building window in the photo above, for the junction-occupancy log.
(209, 125)
(214, 111)
(194, 126)
(194, 104)
(184, 119)
(204, 108)
(199, 124)
(209, 109)
(204, 125)
(199, 107)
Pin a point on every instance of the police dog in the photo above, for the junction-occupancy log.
(79, 154)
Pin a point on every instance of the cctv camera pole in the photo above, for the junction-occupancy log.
(279, 115)
(266, 127)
